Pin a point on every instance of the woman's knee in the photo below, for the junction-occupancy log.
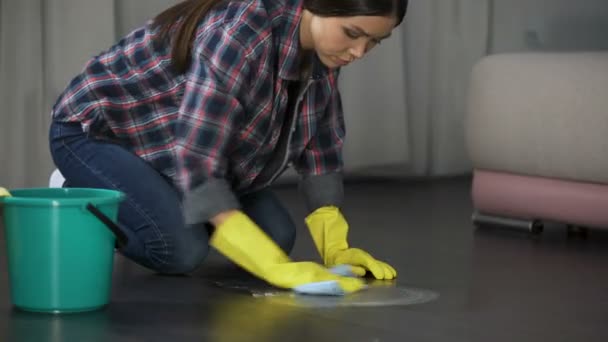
(284, 235)
(183, 253)
(159, 239)
(184, 261)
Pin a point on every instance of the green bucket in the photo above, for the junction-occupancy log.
(60, 247)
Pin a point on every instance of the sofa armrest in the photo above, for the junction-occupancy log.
(541, 114)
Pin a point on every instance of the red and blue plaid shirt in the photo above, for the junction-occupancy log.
(214, 129)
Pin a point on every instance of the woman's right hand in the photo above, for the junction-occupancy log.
(220, 218)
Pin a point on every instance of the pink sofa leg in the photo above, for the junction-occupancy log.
(527, 198)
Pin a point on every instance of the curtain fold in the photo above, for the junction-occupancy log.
(22, 91)
(374, 98)
(443, 40)
(43, 44)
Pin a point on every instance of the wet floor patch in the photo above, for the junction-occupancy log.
(378, 293)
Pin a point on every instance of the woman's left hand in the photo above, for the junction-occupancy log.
(361, 262)
(329, 231)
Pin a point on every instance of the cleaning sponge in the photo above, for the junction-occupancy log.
(327, 288)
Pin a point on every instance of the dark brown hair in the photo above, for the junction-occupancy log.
(178, 24)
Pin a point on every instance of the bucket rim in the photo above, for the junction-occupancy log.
(109, 197)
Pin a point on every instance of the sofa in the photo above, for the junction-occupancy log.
(536, 132)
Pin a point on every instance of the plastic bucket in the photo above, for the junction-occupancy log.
(60, 247)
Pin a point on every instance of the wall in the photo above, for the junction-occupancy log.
(43, 44)
(68, 49)
(550, 25)
(130, 14)
(444, 40)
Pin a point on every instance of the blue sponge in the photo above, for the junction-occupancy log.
(327, 288)
(343, 270)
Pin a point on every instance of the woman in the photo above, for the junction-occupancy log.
(194, 115)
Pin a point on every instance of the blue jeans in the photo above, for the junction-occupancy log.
(151, 214)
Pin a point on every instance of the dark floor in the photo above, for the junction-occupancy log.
(494, 285)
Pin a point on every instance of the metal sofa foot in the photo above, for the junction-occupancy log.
(531, 226)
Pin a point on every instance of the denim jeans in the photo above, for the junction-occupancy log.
(151, 214)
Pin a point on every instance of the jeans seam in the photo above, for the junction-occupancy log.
(140, 210)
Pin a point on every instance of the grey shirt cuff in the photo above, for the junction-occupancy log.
(206, 201)
(323, 190)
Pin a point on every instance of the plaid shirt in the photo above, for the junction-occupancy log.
(215, 129)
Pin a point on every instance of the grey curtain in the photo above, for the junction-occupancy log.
(43, 43)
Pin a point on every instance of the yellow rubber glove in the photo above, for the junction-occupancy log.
(4, 192)
(329, 231)
(243, 242)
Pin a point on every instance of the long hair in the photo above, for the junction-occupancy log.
(179, 23)
(352, 8)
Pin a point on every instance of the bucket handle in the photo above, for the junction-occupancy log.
(121, 237)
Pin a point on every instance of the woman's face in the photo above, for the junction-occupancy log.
(339, 41)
